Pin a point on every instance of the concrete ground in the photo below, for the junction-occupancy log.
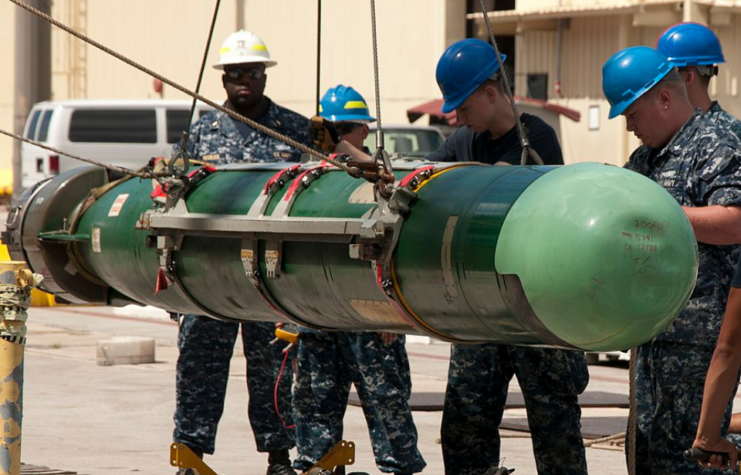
(116, 420)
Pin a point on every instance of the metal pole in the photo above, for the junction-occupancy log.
(16, 282)
(559, 45)
(240, 14)
(32, 73)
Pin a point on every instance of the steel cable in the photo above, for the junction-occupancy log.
(203, 66)
(82, 159)
(379, 129)
(527, 150)
(318, 52)
(261, 128)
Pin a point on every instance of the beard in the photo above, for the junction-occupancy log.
(244, 103)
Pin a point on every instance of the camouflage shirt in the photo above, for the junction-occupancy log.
(216, 139)
(700, 166)
(718, 115)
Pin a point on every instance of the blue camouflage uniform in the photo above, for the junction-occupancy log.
(700, 166)
(328, 363)
(479, 375)
(723, 118)
(206, 345)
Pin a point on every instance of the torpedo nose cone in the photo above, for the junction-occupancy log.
(606, 258)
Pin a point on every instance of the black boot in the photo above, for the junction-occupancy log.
(279, 463)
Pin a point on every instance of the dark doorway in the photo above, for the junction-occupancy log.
(505, 43)
(537, 86)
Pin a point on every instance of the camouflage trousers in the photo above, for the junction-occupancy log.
(206, 348)
(478, 378)
(328, 363)
(735, 438)
(670, 378)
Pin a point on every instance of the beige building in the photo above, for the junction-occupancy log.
(169, 36)
(568, 41)
(548, 41)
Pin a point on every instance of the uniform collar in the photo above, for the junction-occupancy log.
(677, 143)
(270, 118)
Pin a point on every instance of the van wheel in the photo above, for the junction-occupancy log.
(592, 358)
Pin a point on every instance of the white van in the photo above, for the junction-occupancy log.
(125, 133)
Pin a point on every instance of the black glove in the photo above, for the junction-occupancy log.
(323, 134)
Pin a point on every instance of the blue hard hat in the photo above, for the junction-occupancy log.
(629, 73)
(344, 104)
(462, 68)
(690, 44)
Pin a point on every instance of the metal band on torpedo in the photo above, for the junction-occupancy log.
(386, 276)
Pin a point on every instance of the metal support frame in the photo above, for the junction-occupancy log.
(271, 188)
(299, 184)
(334, 461)
(372, 238)
(183, 458)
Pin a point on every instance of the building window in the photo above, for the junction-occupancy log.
(593, 117)
(537, 86)
(474, 6)
(113, 126)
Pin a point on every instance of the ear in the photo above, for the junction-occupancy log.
(664, 99)
(223, 79)
(491, 93)
(365, 131)
(691, 77)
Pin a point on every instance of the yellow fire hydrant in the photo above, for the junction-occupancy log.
(16, 282)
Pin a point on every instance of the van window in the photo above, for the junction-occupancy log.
(113, 126)
(177, 122)
(44, 129)
(32, 124)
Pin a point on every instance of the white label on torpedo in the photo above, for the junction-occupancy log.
(96, 240)
(117, 205)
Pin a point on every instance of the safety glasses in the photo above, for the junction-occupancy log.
(238, 73)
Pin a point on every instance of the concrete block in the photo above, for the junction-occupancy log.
(125, 350)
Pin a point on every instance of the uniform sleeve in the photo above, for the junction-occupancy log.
(453, 149)
(194, 137)
(296, 127)
(302, 133)
(719, 179)
(737, 278)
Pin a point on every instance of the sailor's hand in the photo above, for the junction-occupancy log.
(720, 453)
(387, 337)
(323, 134)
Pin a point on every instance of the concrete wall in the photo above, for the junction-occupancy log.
(169, 38)
(587, 43)
(725, 88)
